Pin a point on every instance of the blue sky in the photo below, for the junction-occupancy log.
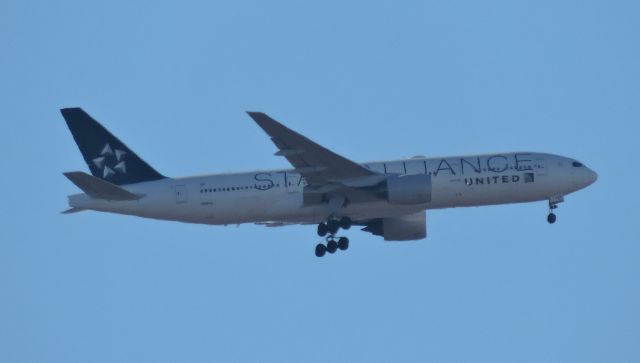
(370, 80)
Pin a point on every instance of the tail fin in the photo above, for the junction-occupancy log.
(107, 157)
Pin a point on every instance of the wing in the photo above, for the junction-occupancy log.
(317, 164)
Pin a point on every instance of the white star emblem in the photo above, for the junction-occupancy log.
(108, 153)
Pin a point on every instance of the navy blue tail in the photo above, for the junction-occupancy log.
(108, 158)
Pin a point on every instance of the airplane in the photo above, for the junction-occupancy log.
(385, 198)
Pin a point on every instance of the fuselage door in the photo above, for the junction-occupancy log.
(541, 167)
(181, 194)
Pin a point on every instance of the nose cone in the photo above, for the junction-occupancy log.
(584, 178)
(581, 176)
(591, 177)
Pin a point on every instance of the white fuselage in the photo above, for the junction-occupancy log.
(277, 195)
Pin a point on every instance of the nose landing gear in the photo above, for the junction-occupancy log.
(551, 218)
(553, 204)
(333, 243)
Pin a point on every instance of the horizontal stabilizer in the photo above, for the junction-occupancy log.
(99, 188)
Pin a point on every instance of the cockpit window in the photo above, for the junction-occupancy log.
(576, 164)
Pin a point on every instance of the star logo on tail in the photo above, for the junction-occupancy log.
(113, 157)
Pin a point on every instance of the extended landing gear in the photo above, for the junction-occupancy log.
(343, 243)
(321, 249)
(553, 204)
(332, 226)
(332, 246)
(334, 243)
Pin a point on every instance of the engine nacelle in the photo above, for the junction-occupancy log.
(408, 189)
(406, 228)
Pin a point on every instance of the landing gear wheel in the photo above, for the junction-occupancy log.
(320, 250)
(553, 204)
(332, 246)
(333, 226)
(322, 229)
(345, 223)
(343, 243)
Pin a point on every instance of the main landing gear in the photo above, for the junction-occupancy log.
(332, 246)
(553, 204)
(333, 243)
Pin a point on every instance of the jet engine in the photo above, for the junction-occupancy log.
(407, 189)
(406, 228)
